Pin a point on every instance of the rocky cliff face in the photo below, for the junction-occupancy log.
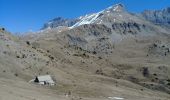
(160, 17)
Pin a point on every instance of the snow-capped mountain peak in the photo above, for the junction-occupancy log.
(116, 8)
(92, 18)
(87, 19)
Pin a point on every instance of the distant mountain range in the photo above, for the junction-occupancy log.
(159, 17)
(59, 21)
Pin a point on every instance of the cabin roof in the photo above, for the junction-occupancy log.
(46, 78)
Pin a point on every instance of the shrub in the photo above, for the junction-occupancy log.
(145, 72)
(100, 57)
(155, 74)
(168, 84)
(99, 71)
(94, 52)
(27, 42)
(16, 74)
(18, 56)
(51, 57)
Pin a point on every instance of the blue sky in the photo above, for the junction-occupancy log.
(25, 15)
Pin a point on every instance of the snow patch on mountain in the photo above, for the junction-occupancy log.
(92, 18)
(88, 19)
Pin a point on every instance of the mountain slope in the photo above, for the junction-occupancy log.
(98, 32)
(21, 60)
(106, 55)
(127, 48)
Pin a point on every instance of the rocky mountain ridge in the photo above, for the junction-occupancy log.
(159, 17)
(59, 21)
